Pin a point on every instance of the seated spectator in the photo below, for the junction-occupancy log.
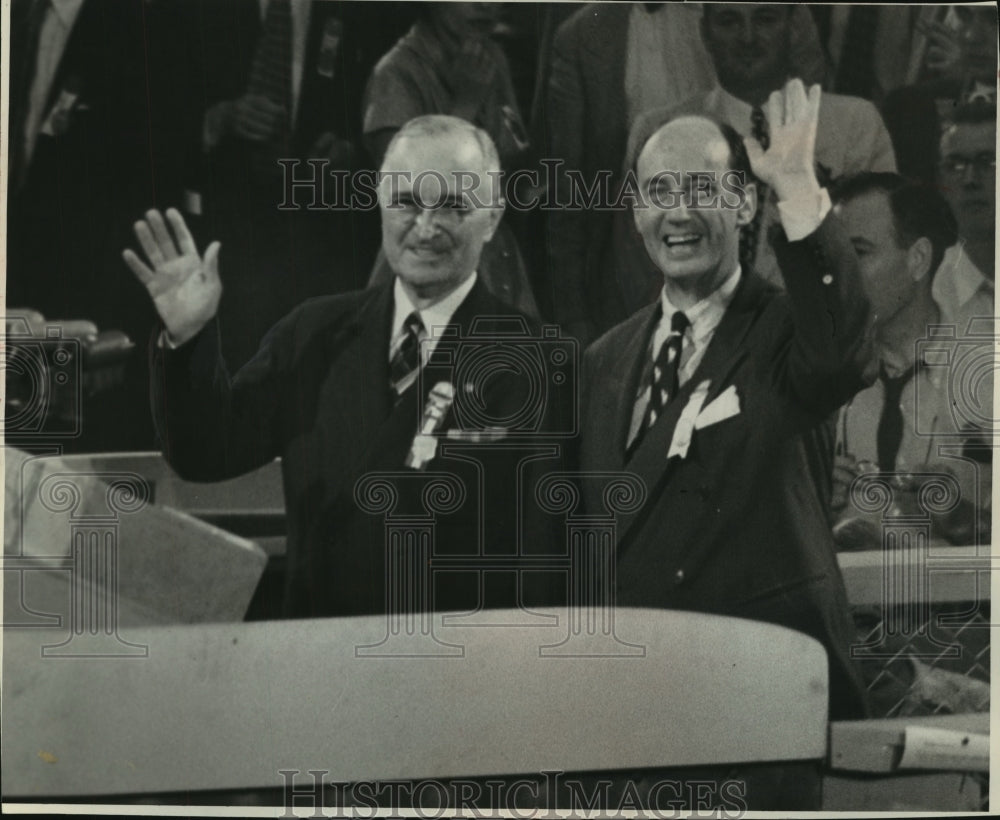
(900, 231)
(447, 64)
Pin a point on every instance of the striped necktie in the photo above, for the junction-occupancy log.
(405, 361)
(663, 384)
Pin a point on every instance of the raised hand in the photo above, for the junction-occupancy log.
(185, 287)
(787, 165)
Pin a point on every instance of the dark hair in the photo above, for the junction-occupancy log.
(918, 210)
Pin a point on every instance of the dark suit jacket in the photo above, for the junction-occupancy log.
(736, 527)
(317, 394)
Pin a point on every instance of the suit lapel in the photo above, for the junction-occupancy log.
(360, 356)
(724, 354)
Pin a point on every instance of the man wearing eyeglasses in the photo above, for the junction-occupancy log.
(342, 386)
(967, 177)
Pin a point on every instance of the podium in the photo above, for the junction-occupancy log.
(230, 706)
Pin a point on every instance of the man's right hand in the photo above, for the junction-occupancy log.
(185, 286)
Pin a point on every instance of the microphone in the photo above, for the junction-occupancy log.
(424, 446)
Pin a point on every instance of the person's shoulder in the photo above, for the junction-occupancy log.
(321, 314)
(489, 313)
(838, 108)
(613, 340)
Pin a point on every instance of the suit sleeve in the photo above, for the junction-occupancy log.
(827, 356)
(212, 427)
(567, 227)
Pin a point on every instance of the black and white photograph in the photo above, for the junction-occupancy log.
(497, 410)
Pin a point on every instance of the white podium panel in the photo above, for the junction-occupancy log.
(227, 706)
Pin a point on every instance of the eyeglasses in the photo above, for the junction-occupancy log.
(958, 166)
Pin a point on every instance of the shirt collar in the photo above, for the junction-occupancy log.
(66, 10)
(959, 274)
(704, 316)
(435, 316)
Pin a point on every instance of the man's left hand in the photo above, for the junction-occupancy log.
(787, 165)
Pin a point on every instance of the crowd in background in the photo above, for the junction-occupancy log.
(118, 106)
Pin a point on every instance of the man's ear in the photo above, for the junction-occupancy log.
(918, 258)
(747, 209)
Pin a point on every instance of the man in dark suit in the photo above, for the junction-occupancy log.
(709, 394)
(340, 387)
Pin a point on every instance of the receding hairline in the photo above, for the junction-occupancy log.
(443, 125)
(683, 121)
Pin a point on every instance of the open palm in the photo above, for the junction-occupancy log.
(184, 286)
(787, 165)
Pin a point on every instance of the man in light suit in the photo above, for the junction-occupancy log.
(749, 44)
(338, 387)
(709, 394)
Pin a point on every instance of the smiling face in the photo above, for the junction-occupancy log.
(435, 199)
(696, 248)
(750, 46)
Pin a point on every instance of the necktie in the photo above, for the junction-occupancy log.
(271, 73)
(751, 232)
(405, 361)
(663, 384)
(26, 23)
(889, 434)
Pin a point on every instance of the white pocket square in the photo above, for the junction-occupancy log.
(726, 405)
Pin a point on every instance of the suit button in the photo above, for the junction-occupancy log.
(828, 279)
(679, 577)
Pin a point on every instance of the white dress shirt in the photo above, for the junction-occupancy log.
(799, 219)
(434, 317)
(53, 36)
